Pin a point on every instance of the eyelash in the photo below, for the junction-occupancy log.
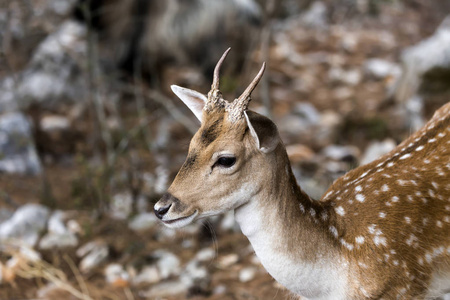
(225, 161)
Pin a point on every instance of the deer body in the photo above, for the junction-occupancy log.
(380, 232)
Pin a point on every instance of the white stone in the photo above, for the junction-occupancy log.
(149, 274)
(26, 224)
(380, 68)
(227, 260)
(114, 272)
(247, 274)
(94, 253)
(143, 221)
(376, 150)
(168, 263)
(58, 240)
(205, 255)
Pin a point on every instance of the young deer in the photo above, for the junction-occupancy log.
(380, 232)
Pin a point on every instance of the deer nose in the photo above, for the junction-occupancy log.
(160, 212)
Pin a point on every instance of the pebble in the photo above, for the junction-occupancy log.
(143, 221)
(58, 240)
(376, 150)
(205, 255)
(165, 289)
(116, 275)
(94, 253)
(17, 151)
(26, 224)
(148, 274)
(381, 68)
(247, 274)
(227, 260)
(341, 153)
(168, 263)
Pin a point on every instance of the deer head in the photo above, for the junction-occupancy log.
(225, 155)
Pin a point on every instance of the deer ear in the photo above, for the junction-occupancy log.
(193, 99)
(263, 131)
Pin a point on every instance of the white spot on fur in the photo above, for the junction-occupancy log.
(358, 188)
(379, 240)
(439, 224)
(347, 245)
(385, 188)
(405, 156)
(333, 231)
(420, 148)
(382, 214)
(359, 239)
(360, 197)
(395, 199)
(302, 208)
(408, 220)
(340, 210)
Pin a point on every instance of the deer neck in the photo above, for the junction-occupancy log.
(289, 233)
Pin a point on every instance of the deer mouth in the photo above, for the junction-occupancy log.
(180, 222)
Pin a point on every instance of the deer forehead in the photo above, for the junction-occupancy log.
(218, 132)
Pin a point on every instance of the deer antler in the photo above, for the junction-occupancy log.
(215, 96)
(237, 108)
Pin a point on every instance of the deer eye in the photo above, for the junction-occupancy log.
(226, 161)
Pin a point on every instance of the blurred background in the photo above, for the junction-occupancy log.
(91, 135)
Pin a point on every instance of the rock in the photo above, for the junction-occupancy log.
(227, 261)
(56, 223)
(228, 222)
(220, 289)
(121, 206)
(341, 153)
(377, 149)
(143, 221)
(299, 123)
(299, 152)
(426, 69)
(58, 241)
(26, 224)
(53, 76)
(74, 227)
(315, 16)
(381, 69)
(311, 186)
(247, 274)
(5, 214)
(58, 236)
(17, 151)
(205, 255)
(165, 289)
(93, 253)
(148, 275)
(350, 77)
(116, 275)
(8, 101)
(326, 132)
(195, 274)
(54, 124)
(168, 263)
(62, 7)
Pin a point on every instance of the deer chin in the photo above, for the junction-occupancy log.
(180, 222)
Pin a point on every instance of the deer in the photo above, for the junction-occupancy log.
(382, 231)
